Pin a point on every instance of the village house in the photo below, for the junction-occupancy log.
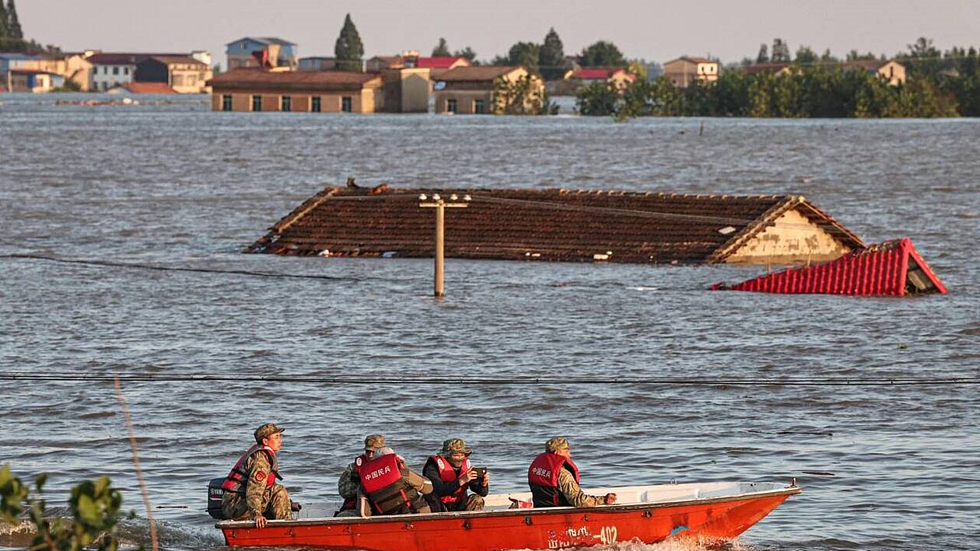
(585, 76)
(684, 70)
(380, 63)
(564, 225)
(184, 74)
(33, 80)
(297, 91)
(406, 90)
(474, 90)
(890, 70)
(261, 52)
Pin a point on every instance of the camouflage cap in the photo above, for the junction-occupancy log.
(454, 445)
(374, 441)
(266, 430)
(557, 443)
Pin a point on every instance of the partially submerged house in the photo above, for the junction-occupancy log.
(297, 91)
(563, 225)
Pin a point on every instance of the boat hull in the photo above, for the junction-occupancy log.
(705, 519)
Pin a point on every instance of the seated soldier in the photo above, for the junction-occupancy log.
(350, 480)
(554, 479)
(452, 475)
(251, 492)
(390, 487)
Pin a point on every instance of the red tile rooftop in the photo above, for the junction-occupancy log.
(554, 224)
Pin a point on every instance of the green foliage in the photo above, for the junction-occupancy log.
(4, 23)
(598, 99)
(524, 54)
(94, 507)
(13, 22)
(780, 51)
(524, 96)
(441, 49)
(602, 54)
(551, 56)
(348, 49)
(467, 53)
(804, 54)
(763, 56)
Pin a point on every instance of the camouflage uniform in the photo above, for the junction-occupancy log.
(272, 502)
(349, 483)
(566, 481)
(472, 502)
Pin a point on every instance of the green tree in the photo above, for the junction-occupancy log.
(94, 506)
(602, 54)
(598, 99)
(524, 53)
(780, 51)
(441, 49)
(468, 53)
(524, 96)
(551, 56)
(13, 22)
(805, 55)
(348, 49)
(665, 98)
(4, 24)
(763, 56)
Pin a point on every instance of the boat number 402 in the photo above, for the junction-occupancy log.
(608, 535)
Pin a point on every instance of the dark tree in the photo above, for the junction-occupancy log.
(13, 22)
(4, 32)
(602, 54)
(805, 55)
(551, 57)
(348, 49)
(468, 53)
(763, 56)
(524, 53)
(780, 51)
(441, 49)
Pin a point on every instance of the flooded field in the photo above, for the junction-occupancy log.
(170, 184)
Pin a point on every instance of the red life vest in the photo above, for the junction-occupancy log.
(237, 479)
(448, 473)
(384, 480)
(351, 502)
(542, 477)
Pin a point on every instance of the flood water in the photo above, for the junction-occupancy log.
(170, 184)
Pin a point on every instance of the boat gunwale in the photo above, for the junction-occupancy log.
(413, 517)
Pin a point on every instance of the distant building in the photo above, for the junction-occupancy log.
(406, 90)
(683, 71)
(261, 52)
(184, 74)
(890, 70)
(39, 63)
(298, 91)
(317, 63)
(438, 65)
(774, 68)
(380, 63)
(473, 90)
(32, 80)
(588, 75)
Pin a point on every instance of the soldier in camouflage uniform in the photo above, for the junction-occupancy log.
(453, 477)
(553, 479)
(350, 481)
(251, 491)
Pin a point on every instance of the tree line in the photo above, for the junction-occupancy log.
(937, 85)
(12, 34)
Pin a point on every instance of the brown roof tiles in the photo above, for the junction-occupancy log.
(293, 80)
(554, 224)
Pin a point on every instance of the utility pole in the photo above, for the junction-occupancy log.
(440, 205)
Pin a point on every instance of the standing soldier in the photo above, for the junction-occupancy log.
(251, 492)
(554, 479)
(350, 480)
(452, 475)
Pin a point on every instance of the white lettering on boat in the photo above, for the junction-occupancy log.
(582, 536)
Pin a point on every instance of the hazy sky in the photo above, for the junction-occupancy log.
(654, 30)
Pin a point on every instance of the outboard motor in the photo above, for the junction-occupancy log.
(215, 493)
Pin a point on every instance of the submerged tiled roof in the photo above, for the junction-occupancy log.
(478, 73)
(554, 224)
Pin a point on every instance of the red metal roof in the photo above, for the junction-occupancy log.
(596, 73)
(444, 62)
(554, 224)
(892, 268)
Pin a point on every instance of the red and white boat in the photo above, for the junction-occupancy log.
(649, 514)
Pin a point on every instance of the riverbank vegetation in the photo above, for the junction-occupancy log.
(937, 85)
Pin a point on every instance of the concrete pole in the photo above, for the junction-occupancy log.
(440, 247)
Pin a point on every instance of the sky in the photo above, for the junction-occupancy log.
(647, 29)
